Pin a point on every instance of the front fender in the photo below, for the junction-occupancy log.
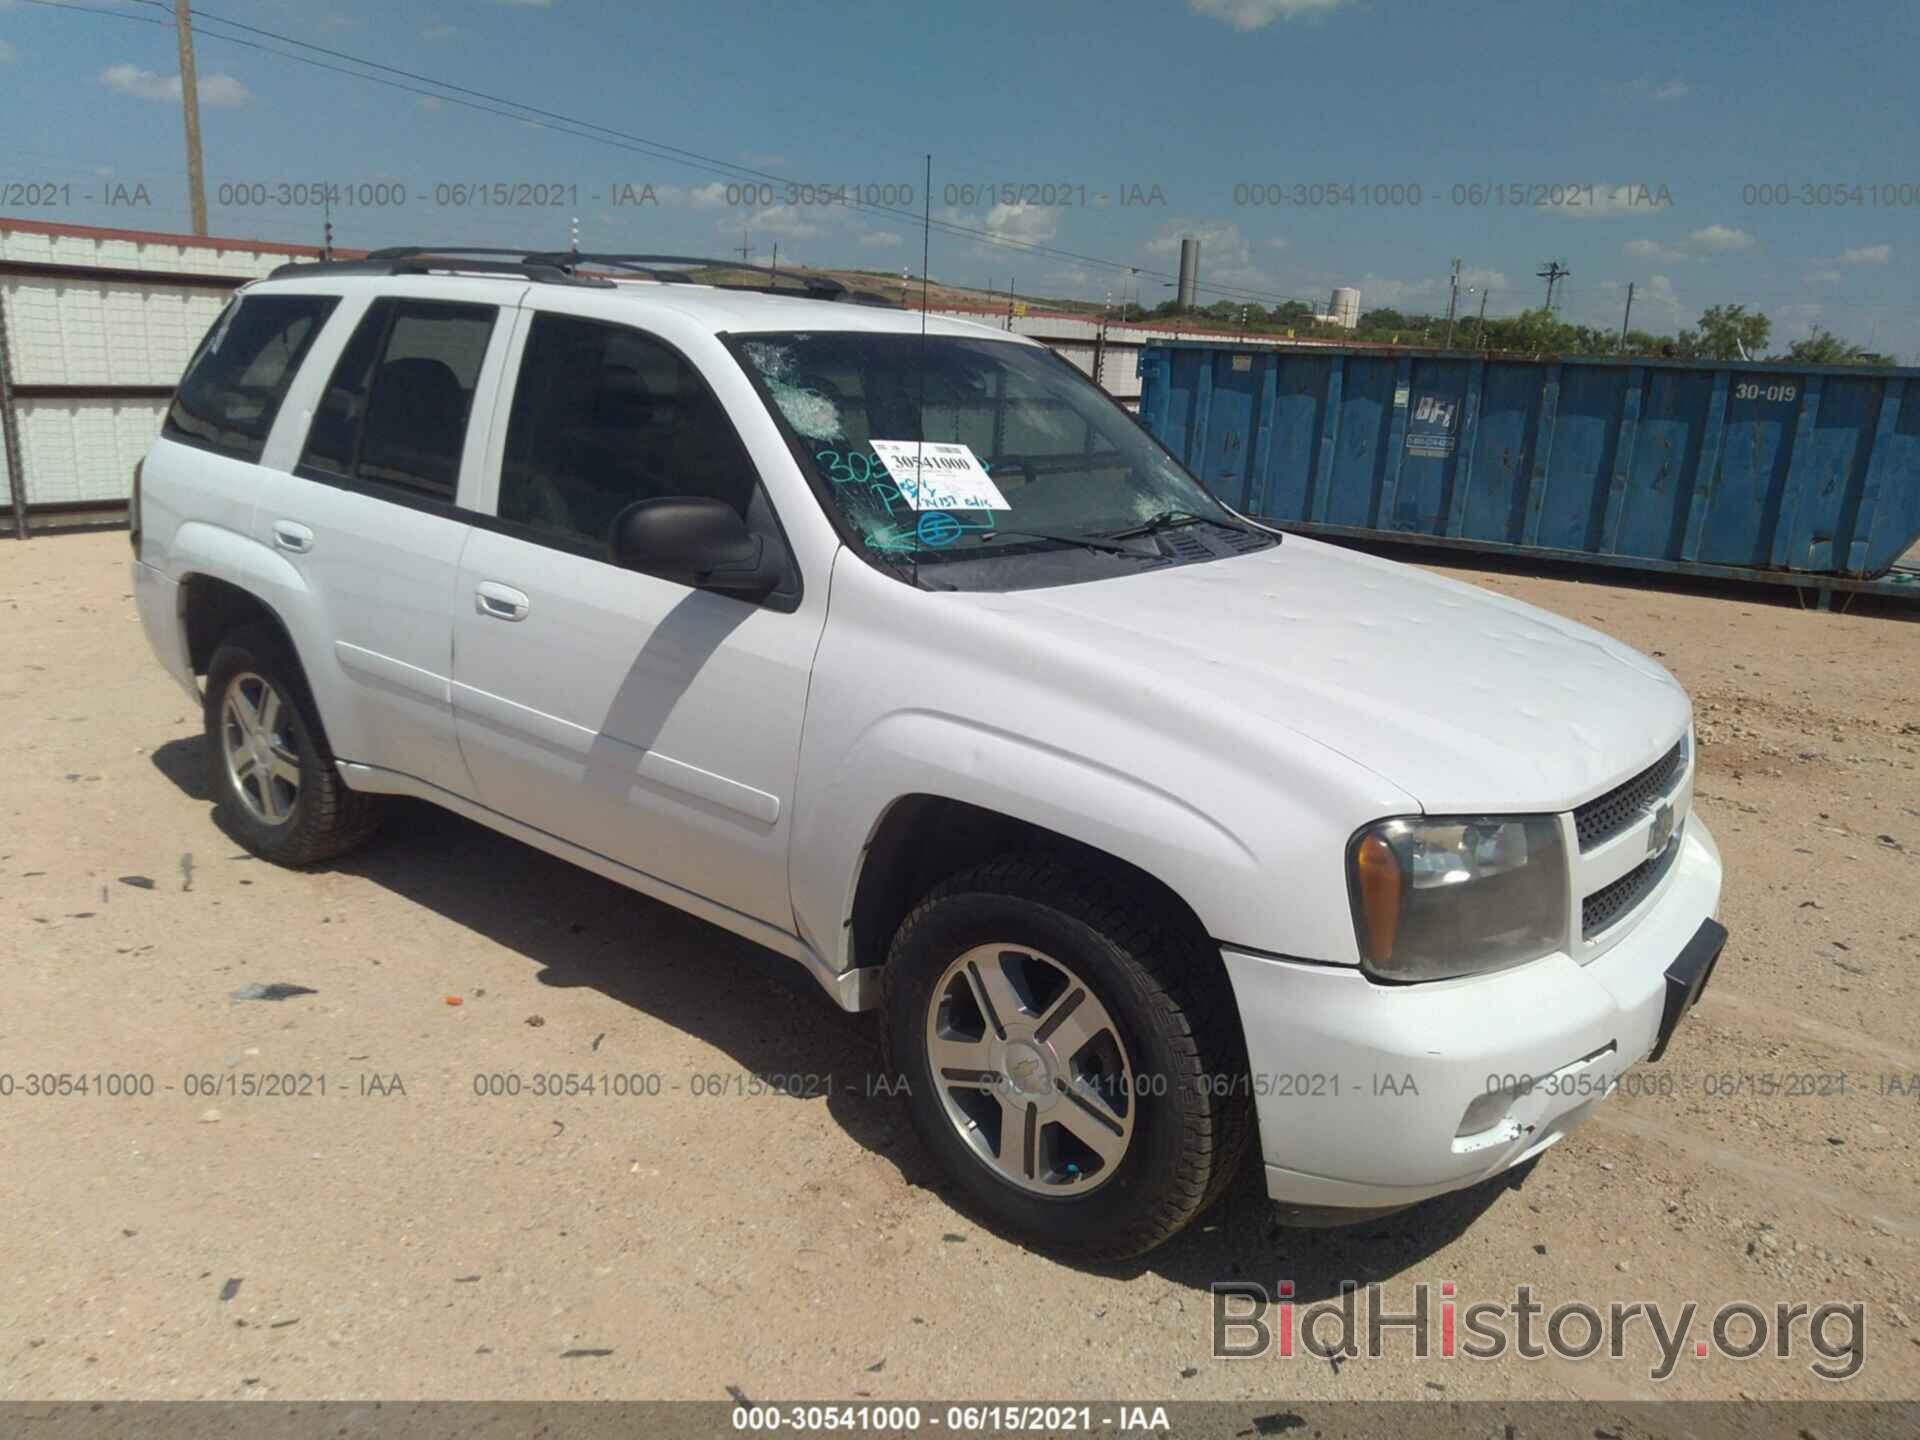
(1220, 873)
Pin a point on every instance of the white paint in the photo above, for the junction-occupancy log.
(1225, 727)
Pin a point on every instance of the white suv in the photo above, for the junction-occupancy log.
(894, 645)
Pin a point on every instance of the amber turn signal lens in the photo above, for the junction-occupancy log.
(1377, 875)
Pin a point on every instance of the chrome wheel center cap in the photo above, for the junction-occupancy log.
(1029, 1069)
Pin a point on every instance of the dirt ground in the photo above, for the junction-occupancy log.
(758, 1228)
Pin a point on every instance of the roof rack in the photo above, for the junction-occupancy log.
(430, 259)
(817, 286)
(567, 267)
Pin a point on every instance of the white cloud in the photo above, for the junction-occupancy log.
(429, 102)
(1867, 255)
(1720, 237)
(1653, 250)
(215, 90)
(1220, 240)
(1826, 275)
(1474, 277)
(1672, 89)
(1698, 245)
(705, 197)
(880, 239)
(1226, 257)
(787, 222)
(222, 90)
(1254, 14)
(1606, 200)
(1659, 291)
(1024, 224)
(8, 55)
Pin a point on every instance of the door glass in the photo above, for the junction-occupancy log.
(395, 412)
(233, 387)
(603, 416)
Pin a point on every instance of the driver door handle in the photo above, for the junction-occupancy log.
(502, 602)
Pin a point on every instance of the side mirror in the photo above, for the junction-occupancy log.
(695, 541)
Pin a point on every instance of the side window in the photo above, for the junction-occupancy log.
(604, 416)
(394, 414)
(234, 385)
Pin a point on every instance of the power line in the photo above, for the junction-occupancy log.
(639, 144)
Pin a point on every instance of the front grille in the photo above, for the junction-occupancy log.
(1602, 819)
(1610, 902)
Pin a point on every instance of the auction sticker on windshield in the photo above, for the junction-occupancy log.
(935, 476)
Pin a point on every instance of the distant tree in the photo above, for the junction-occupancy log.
(1725, 330)
(1822, 347)
(1383, 319)
(1538, 331)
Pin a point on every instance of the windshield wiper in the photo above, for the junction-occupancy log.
(1170, 520)
(1102, 543)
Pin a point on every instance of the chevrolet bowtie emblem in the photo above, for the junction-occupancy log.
(1662, 830)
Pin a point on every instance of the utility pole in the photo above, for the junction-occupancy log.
(326, 228)
(1453, 300)
(1626, 317)
(1552, 273)
(1481, 342)
(745, 251)
(190, 103)
(776, 259)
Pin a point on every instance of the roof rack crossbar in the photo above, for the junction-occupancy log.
(813, 284)
(426, 260)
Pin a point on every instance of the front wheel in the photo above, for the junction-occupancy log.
(1073, 1059)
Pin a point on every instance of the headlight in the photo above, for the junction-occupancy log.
(1452, 895)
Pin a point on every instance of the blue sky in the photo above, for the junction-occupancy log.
(1653, 122)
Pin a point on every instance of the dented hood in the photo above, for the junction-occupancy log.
(1465, 699)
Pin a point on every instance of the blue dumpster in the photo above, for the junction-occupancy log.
(1805, 474)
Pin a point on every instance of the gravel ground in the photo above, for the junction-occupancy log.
(403, 1236)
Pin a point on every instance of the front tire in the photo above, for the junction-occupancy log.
(1072, 1058)
(275, 786)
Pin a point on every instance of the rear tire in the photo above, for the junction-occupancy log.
(275, 786)
(1097, 1133)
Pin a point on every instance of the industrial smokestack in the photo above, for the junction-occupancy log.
(1189, 271)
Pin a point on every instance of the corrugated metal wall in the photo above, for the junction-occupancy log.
(94, 312)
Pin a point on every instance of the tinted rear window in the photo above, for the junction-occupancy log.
(394, 414)
(233, 387)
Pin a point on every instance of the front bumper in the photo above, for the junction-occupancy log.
(1360, 1088)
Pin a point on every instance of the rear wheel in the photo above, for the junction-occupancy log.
(273, 779)
(1072, 1058)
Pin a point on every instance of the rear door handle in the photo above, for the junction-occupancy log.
(502, 602)
(291, 535)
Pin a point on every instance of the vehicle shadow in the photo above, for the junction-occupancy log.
(766, 1014)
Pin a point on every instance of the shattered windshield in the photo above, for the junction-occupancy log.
(937, 446)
